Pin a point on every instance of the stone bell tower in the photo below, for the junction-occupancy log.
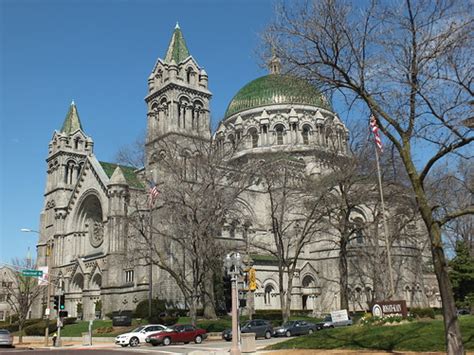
(68, 150)
(178, 96)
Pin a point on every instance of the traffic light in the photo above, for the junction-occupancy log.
(227, 285)
(62, 304)
(63, 314)
(56, 302)
(252, 279)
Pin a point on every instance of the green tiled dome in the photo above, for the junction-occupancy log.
(276, 89)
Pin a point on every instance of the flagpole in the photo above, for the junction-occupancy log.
(387, 244)
(150, 269)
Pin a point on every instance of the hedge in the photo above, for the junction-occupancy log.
(38, 328)
(422, 312)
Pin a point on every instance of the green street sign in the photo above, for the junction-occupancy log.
(35, 273)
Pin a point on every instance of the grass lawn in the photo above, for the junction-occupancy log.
(415, 336)
(76, 330)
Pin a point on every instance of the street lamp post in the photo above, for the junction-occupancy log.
(48, 288)
(233, 263)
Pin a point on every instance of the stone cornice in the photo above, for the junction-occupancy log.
(170, 86)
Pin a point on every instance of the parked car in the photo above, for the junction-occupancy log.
(261, 328)
(6, 338)
(328, 323)
(179, 333)
(138, 335)
(296, 327)
(463, 311)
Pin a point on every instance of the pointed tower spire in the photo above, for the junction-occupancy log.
(117, 177)
(177, 48)
(72, 122)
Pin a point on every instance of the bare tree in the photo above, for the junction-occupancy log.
(451, 188)
(180, 234)
(134, 154)
(295, 215)
(410, 65)
(21, 291)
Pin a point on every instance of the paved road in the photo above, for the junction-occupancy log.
(209, 347)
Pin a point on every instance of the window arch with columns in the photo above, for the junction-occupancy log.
(252, 133)
(268, 290)
(279, 132)
(305, 133)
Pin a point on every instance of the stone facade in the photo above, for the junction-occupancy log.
(87, 201)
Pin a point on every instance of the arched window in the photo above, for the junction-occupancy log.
(69, 174)
(359, 232)
(159, 75)
(357, 294)
(188, 74)
(232, 229)
(231, 139)
(267, 294)
(308, 281)
(305, 134)
(279, 129)
(254, 137)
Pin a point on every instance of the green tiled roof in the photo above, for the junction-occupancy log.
(177, 49)
(72, 122)
(276, 89)
(128, 173)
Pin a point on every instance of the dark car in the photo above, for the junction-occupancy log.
(179, 333)
(296, 327)
(463, 311)
(262, 328)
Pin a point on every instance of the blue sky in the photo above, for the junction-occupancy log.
(100, 53)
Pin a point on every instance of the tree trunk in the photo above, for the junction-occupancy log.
(20, 333)
(287, 309)
(452, 330)
(208, 297)
(343, 277)
(193, 310)
(284, 315)
(451, 322)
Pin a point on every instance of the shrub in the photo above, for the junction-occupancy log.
(274, 314)
(214, 325)
(10, 327)
(38, 328)
(104, 330)
(157, 307)
(69, 320)
(163, 319)
(422, 312)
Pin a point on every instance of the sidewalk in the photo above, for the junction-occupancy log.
(100, 343)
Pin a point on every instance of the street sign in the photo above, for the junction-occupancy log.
(33, 273)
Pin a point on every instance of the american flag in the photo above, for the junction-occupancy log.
(375, 130)
(153, 192)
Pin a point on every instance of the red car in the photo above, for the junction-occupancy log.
(179, 333)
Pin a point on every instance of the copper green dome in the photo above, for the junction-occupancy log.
(276, 89)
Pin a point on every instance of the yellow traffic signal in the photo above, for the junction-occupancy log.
(252, 279)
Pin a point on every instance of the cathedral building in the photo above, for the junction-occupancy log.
(83, 224)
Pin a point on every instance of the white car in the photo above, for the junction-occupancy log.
(138, 335)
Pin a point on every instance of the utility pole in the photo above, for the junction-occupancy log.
(48, 298)
(59, 323)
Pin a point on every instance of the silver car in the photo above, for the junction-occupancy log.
(6, 339)
(328, 322)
